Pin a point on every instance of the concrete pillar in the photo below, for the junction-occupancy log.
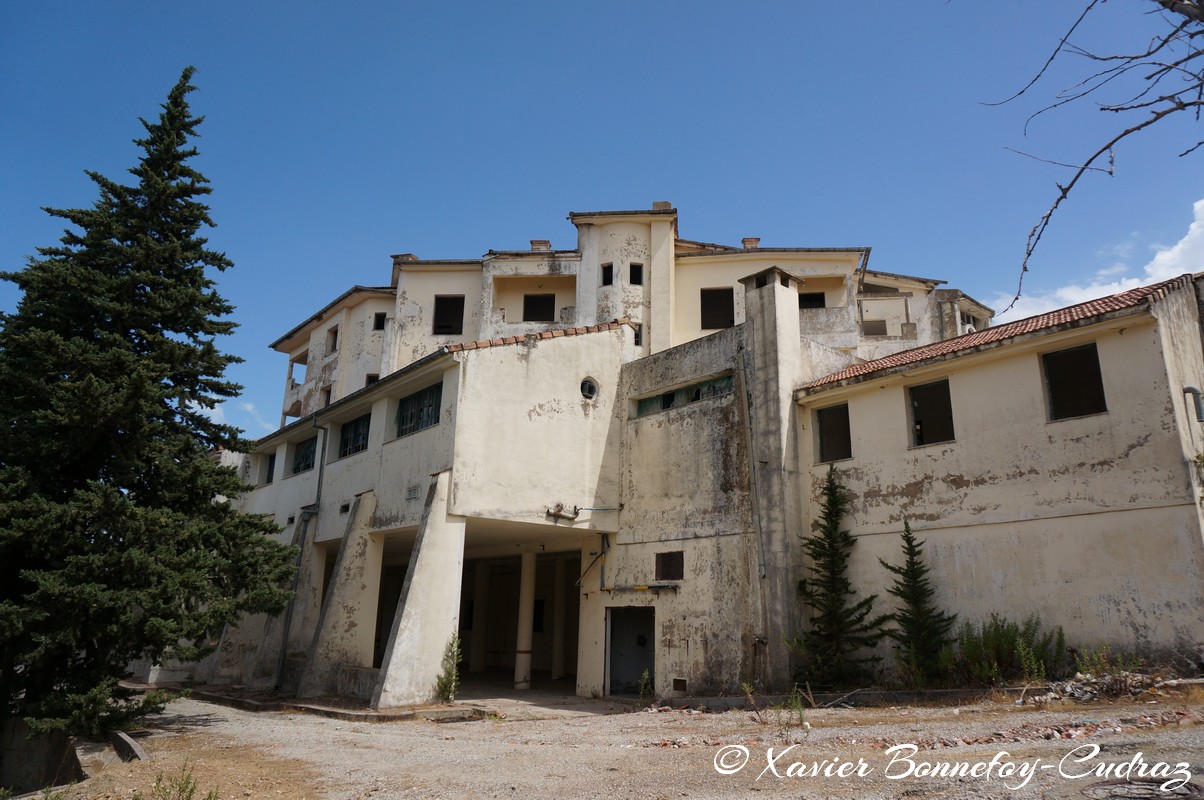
(346, 627)
(480, 616)
(526, 622)
(658, 333)
(428, 612)
(273, 644)
(558, 619)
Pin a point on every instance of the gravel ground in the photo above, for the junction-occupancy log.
(573, 748)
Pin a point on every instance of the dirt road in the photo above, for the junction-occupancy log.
(592, 749)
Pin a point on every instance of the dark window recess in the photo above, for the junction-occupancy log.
(270, 469)
(1074, 383)
(931, 413)
(873, 327)
(608, 274)
(378, 320)
(326, 396)
(332, 339)
(353, 436)
(685, 395)
(718, 307)
(639, 336)
(671, 566)
(449, 315)
(812, 300)
(371, 378)
(835, 437)
(420, 410)
(303, 455)
(538, 615)
(679, 684)
(637, 275)
(539, 308)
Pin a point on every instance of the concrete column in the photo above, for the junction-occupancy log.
(526, 622)
(658, 331)
(558, 618)
(480, 615)
(428, 612)
(273, 644)
(346, 627)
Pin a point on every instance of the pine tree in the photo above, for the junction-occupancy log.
(116, 538)
(921, 630)
(839, 628)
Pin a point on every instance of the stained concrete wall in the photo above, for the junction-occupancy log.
(416, 293)
(1091, 522)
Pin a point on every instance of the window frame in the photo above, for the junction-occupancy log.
(635, 273)
(440, 313)
(353, 435)
(708, 312)
(828, 413)
(917, 431)
(425, 406)
(298, 464)
(1077, 385)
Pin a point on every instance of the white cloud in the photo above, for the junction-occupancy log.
(256, 416)
(1186, 255)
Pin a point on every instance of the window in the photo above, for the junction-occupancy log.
(326, 390)
(931, 413)
(303, 455)
(378, 320)
(269, 469)
(718, 308)
(589, 389)
(637, 274)
(873, 327)
(353, 436)
(671, 566)
(371, 378)
(420, 410)
(685, 395)
(332, 340)
(296, 368)
(449, 315)
(608, 274)
(1073, 382)
(539, 308)
(835, 438)
(812, 300)
(639, 334)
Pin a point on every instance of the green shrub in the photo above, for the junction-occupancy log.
(1000, 650)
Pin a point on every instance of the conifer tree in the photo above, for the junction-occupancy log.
(839, 627)
(116, 539)
(921, 630)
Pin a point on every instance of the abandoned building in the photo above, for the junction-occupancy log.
(594, 462)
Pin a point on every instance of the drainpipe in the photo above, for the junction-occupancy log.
(1195, 395)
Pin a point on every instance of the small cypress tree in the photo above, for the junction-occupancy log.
(840, 629)
(921, 630)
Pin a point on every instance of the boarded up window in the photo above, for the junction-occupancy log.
(835, 438)
(670, 566)
(931, 413)
(449, 315)
(1073, 382)
(539, 308)
(718, 308)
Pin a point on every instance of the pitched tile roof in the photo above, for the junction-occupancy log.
(552, 334)
(1071, 316)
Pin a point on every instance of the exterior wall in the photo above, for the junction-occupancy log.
(507, 277)
(1017, 510)
(417, 289)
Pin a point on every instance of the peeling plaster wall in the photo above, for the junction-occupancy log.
(416, 293)
(1016, 509)
(526, 438)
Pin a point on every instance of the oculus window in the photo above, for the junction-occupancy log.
(931, 413)
(1073, 382)
(835, 437)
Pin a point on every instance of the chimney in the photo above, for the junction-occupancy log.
(662, 205)
(751, 242)
(541, 244)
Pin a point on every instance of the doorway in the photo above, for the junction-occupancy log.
(631, 649)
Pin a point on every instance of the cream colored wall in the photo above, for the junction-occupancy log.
(416, 294)
(1015, 506)
(527, 439)
(509, 291)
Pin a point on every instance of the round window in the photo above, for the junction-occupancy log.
(589, 389)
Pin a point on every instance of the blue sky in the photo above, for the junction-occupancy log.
(339, 134)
